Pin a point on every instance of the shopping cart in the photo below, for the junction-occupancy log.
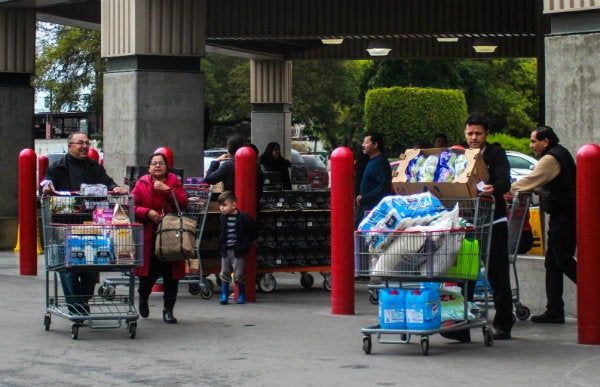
(518, 207)
(198, 203)
(408, 258)
(73, 244)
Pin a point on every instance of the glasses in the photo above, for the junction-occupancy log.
(81, 142)
(158, 164)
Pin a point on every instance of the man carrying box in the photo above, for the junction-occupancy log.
(476, 132)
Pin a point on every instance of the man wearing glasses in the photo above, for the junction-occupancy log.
(67, 174)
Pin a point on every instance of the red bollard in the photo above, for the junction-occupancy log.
(342, 231)
(168, 153)
(588, 265)
(27, 212)
(93, 154)
(245, 192)
(43, 163)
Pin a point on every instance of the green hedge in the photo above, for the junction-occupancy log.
(406, 116)
(509, 142)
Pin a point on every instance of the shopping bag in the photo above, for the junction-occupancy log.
(175, 237)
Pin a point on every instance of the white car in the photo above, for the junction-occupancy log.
(521, 165)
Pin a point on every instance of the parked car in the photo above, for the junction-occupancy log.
(299, 173)
(317, 174)
(521, 165)
(210, 155)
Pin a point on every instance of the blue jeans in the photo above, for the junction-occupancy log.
(78, 288)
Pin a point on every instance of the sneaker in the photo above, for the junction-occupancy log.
(547, 318)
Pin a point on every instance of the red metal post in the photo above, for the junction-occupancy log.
(245, 192)
(43, 162)
(93, 154)
(27, 212)
(168, 153)
(342, 229)
(588, 265)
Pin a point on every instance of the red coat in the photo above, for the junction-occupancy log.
(146, 199)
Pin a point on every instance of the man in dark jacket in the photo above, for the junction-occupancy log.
(476, 132)
(555, 174)
(67, 174)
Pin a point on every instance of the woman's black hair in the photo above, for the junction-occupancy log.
(161, 155)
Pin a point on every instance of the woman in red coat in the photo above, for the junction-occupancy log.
(152, 195)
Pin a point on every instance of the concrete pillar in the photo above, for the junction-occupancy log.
(153, 89)
(572, 77)
(271, 96)
(17, 66)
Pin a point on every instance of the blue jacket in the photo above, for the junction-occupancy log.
(376, 182)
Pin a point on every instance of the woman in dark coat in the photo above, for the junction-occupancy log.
(273, 162)
(152, 195)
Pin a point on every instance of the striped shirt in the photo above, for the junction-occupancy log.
(230, 232)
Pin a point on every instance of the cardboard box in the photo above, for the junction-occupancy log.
(465, 185)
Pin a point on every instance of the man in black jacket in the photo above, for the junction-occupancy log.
(67, 174)
(555, 174)
(476, 132)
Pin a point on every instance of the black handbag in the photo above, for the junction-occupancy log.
(175, 236)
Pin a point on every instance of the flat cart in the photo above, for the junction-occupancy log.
(198, 204)
(412, 257)
(73, 243)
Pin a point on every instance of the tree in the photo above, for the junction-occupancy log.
(327, 99)
(70, 68)
(504, 89)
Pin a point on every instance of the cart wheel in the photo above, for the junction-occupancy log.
(405, 338)
(374, 296)
(74, 331)
(267, 283)
(107, 292)
(47, 321)
(327, 283)
(488, 337)
(194, 289)
(132, 328)
(207, 290)
(425, 345)
(367, 344)
(523, 312)
(307, 280)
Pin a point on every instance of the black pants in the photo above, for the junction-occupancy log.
(171, 285)
(562, 240)
(499, 276)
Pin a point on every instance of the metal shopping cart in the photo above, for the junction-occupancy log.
(518, 207)
(198, 203)
(73, 244)
(409, 258)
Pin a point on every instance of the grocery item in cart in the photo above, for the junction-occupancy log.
(423, 309)
(392, 305)
(122, 236)
(453, 304)
(399, 213)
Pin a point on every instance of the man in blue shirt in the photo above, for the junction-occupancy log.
(377, 177)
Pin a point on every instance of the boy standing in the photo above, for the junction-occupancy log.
(238, 230)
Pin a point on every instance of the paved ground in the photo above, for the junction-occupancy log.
(288, 337)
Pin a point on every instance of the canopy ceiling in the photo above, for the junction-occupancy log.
(293, 29)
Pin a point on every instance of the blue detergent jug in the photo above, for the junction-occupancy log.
(392, 308)
(423, 309)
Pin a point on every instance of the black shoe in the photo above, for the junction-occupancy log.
(547, 318)
(168, 316)
(464, 336)
(143, 307)
(502, 335)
